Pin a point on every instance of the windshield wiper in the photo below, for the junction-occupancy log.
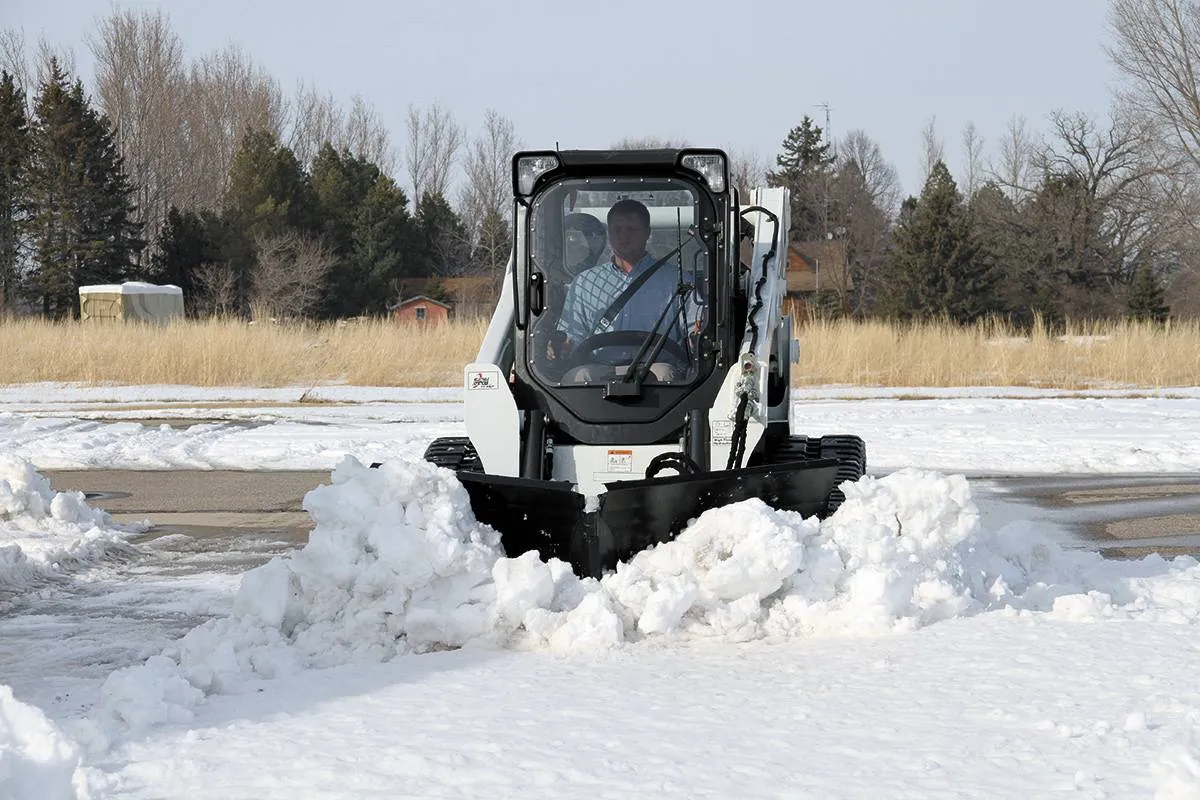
(629, 385)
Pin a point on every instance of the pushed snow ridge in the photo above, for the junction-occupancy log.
(397, 564)
(45, 534)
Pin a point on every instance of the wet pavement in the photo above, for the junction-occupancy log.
(237, 512)
(206, 520)
(1121, 516)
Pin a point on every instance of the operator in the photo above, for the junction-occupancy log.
(585, 242)
(590, 294)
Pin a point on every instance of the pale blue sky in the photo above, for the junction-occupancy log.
(733, 74)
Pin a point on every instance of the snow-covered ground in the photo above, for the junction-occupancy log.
(901, 648)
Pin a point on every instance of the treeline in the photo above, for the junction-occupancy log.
(207, 175)
(1090, 222)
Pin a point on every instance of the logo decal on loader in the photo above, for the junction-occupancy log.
(484, 380)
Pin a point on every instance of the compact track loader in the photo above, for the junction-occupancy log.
(637, 370)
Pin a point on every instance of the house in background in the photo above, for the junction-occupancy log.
(421, 310)
(816, 269)
(468, 297)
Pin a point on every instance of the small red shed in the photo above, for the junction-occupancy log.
(422, 310)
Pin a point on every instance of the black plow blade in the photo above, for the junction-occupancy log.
(545, 516)
(633, 515)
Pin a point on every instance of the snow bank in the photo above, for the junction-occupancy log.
(1177, 773)
(397, 564)
(37, 761)
(44, 533)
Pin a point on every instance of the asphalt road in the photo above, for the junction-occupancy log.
(1123, 516)
(221, 500)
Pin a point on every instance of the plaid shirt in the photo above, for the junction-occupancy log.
(590, 294)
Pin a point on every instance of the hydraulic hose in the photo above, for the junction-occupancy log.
(737, 448)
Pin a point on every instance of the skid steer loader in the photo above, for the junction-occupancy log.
(637, 369)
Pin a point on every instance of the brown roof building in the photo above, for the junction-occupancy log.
(469, 297)
(421, 310)
(816, 267)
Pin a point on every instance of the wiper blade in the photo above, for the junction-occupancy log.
(629, 385)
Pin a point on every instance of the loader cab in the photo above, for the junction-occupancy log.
(623, 286)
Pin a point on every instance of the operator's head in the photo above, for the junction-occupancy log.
(585, 241)
(628, 229)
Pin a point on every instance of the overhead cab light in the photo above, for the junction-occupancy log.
(709, 165)
(530, 168)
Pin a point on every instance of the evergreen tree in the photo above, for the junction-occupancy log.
(1001, 248)
(269, 192)
(14, 153)
(1070, 262)
(188, 240)
(112, 233)
(1146, 301)
(445, 241)
(269, 195)
(366, 221)
(387, 243)
(341, 183)
(80, 207)
(934, 270)
(805, 167)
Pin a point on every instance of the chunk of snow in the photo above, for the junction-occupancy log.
(37, 761)
(43, 533)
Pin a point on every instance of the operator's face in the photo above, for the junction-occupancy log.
(628, 236)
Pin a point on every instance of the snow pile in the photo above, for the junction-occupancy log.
(37, 761)
(44, 533)
(398, 564)
(1177, 773)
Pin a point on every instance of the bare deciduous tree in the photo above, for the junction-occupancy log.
(1156, 47)
(1012, 171)
(315, 119)
(366, 136)
(879, 175)
(434, 139)
(226, 96)
(933, 149)
(649, 143)
(484, 201)
(216, 285)
(972, 144)
(139, 83)
(747, 170)
(866, 193)
(289, 275)
(13, 59)
(1121, 183)
(30, 69)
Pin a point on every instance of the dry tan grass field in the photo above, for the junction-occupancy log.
(381, 353)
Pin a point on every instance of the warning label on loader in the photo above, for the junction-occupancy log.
(620, 461)
(722, 431)
(483, 380)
